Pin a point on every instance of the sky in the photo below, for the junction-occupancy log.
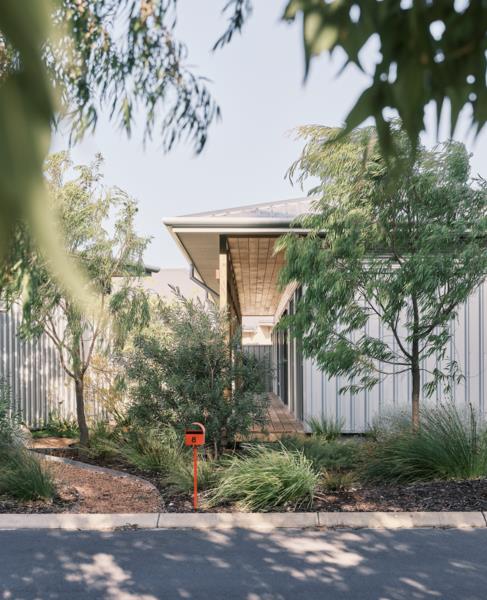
(258, 82)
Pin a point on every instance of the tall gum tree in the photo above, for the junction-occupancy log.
(402, 241)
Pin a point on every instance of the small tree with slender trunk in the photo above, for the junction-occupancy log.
(403, 242)
(98, 227)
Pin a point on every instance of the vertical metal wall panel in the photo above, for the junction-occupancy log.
(265, 353)
(32, 368)
(468, 346)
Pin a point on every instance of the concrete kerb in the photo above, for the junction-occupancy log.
(78, 522)
(253, 521)
(401, 520)
(257, 521)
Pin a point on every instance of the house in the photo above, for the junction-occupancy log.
(232, 253)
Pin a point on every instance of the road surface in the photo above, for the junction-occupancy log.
(237, 564)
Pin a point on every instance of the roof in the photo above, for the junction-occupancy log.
(280, 213)
(251, 233)
(281, 209)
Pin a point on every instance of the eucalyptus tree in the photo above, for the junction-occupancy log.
(429, 51)
(69, 61)
(98, 227)
(405, 245)
(81, 57)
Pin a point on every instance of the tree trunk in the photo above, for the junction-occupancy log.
(415, 395)
(415, 371)
(80, 411)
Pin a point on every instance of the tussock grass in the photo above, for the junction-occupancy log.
(152, 449)
(323, 455)
(450, 444)
(22, 476)
(328, 429)
(180, 473)
(266, 478)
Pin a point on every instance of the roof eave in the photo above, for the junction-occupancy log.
(227, 222)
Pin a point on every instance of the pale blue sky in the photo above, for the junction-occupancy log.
(258, 82)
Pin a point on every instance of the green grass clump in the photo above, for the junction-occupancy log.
(266, 478)
(328, 429)
(180, 473)
(22, 476)
(57, 426)
(329, 456)
(151, 449)
(335, 481)
(449, 444)
(10, 421)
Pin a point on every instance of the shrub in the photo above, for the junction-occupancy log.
(104, 440)
(147, 410)
(22, 476)
(10, 430)
(183, 369)
(266, 478)
(449, 444)
(329, 456)
(327, 429)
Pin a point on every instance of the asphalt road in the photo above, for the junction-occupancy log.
(237, 564)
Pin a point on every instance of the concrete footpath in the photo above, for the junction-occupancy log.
(253, 521)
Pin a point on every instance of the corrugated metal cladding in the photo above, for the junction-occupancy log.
(468, 346)
(32, 368)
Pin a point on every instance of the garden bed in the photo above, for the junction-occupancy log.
(469, 495)
(80, 490)
(435, 496)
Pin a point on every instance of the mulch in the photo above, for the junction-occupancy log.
(438, 496)
(80, 490)
(10, 505)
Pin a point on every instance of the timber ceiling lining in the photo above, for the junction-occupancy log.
(256, 268)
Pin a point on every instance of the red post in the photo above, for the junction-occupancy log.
(195, 477)
(195, 437)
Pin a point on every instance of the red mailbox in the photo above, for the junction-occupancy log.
(195, 436)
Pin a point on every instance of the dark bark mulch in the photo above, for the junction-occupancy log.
(465, 495)
(470, 495)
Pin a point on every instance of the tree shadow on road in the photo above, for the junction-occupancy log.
(277, 565)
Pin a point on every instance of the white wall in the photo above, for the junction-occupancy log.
(468, 347)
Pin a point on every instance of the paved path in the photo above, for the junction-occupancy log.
(237, 564)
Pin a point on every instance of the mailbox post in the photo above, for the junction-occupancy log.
(195, 436)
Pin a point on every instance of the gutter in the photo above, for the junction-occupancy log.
(224, 222)
(203, 285)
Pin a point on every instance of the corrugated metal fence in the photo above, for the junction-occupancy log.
(467, 346)
(263, 353)
(33, 370)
